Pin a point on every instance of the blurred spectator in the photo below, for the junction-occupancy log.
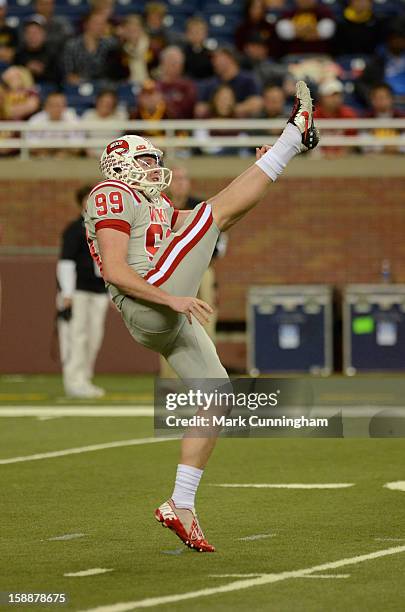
(275, 5)
(255, 59)
(106, 8)
(35, 53)
(159, 36)
(331, 106)
(222, 106)
(18, 97)
(179, 92)
(308, 28)
(58, 27)
(388, 65)
(382, 107)
(8, 37)
(86, 56)
(359, 31)
(82, 308)
(274, 102)
(55, 109)
(255, 26)
(198, 58)
(313, 69)
(243, 84)
(106, 112)
(274, 106)
(223, 103)
(151, 106)
(382, 102)
(135, 47)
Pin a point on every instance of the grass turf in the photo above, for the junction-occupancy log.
(110, 495)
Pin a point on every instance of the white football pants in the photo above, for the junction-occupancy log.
(80, 345)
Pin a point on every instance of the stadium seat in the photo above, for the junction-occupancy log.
(20, 8)
(72, 8)
(223, 6)
(218, 40)
(388, 8)
(127, 7)
(352, 65)
(71, 4)
(222, 25)
(12, 21)
(44, 89)
(3, 67)
(80, 97)
(188, 7)
(350, 98)
(335, 6)
(127, 93)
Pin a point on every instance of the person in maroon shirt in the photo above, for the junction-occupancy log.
(331, 106)
(179, 92)
(308, 28)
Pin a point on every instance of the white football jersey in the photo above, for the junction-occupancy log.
(113, 204)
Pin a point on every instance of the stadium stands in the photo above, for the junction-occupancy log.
(223, 18)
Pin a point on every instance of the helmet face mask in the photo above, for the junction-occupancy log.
(135, 161)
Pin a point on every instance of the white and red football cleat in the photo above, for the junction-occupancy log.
(185, 525)
(302, 117)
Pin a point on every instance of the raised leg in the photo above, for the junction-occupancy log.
(233, 202)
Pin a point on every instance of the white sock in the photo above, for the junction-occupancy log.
(187, 481)
(289, 144)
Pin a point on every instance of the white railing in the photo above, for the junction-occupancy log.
(23, 136)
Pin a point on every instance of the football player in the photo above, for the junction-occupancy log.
(152, 258)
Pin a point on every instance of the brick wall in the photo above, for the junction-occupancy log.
(332, 230)
(308, 230)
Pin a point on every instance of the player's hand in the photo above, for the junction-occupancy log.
(260, 151)
(190, 306)
(67, 302)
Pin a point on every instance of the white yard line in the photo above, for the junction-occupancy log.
(398, 485)
(235, 575)
(259, 536)
(389, 539)
(84, 449)
(257, 575)
(90, 572)
(327, 485)
(67, 536)
(248, 583)
(327, 576)
(76, 411)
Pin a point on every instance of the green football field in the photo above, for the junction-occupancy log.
(78, 495)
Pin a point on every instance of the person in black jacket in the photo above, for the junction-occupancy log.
(82, 305)
(198, 63)
(36, 54)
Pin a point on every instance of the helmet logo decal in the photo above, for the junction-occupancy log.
(141, 147)
(120, 146)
